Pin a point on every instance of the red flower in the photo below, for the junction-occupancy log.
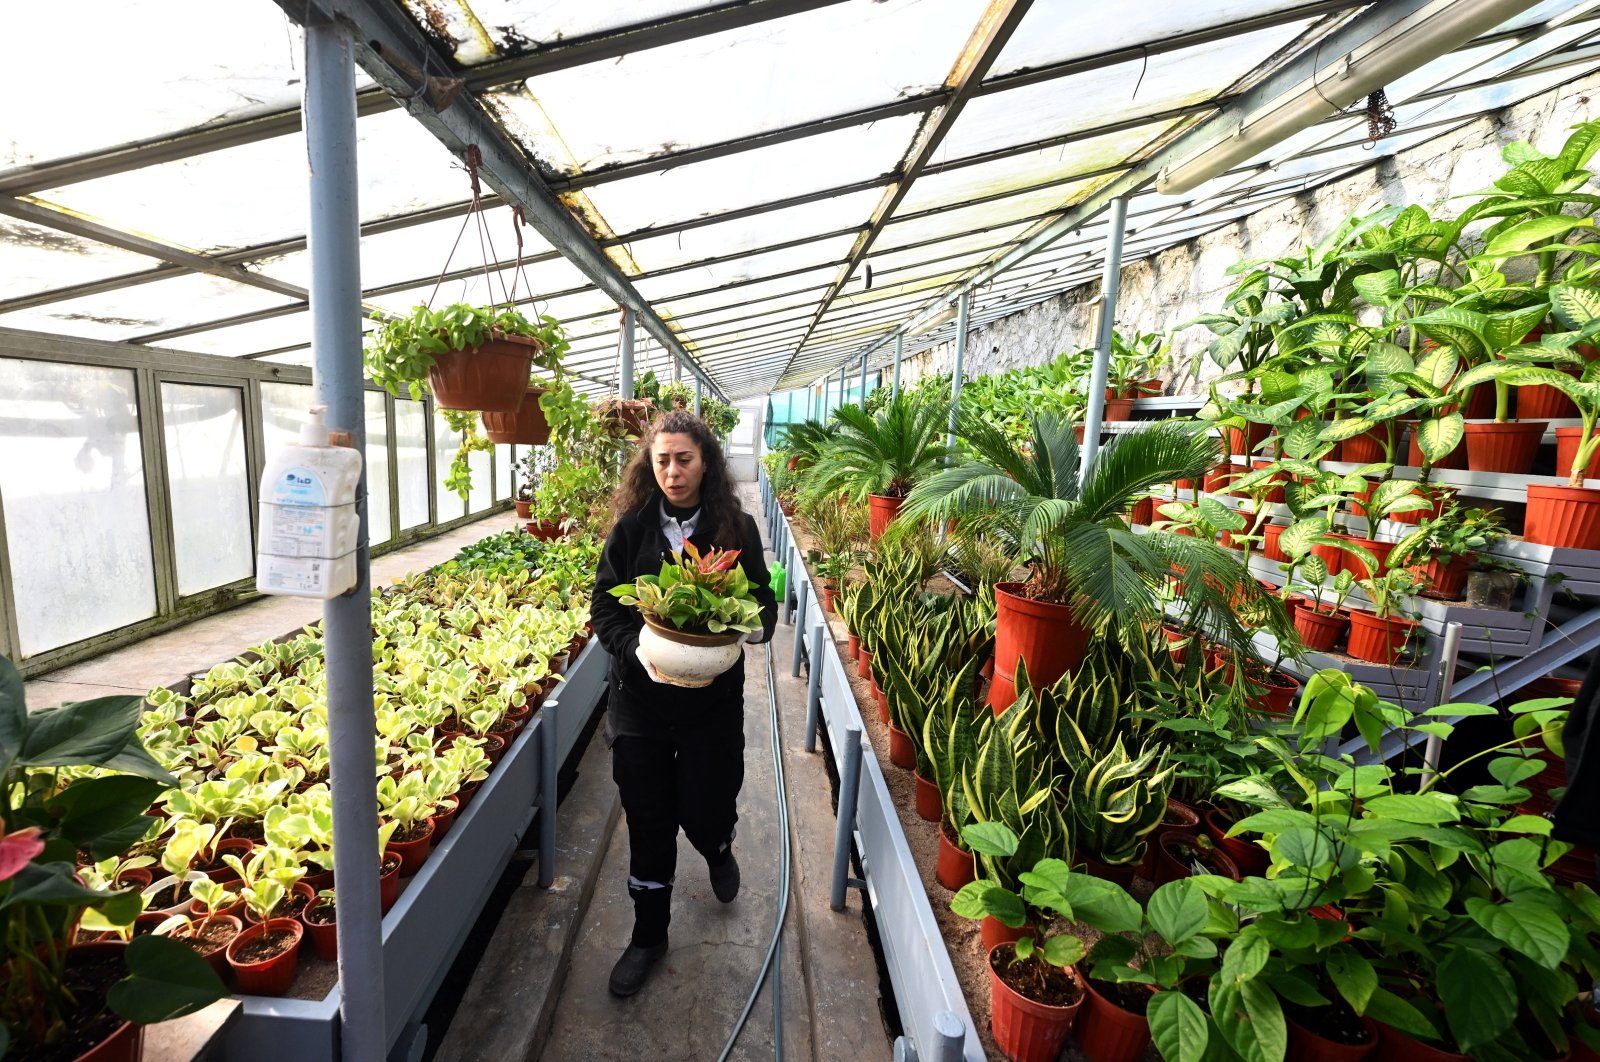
(17, 850)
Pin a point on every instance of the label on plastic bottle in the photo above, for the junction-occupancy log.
(296, 524)
(293, 576)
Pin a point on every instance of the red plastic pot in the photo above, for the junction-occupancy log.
(864, 664)
(445, 817)
(1047, 636)
(1567, 440)
(1331, 555)
(389, 882)
(1180, 819)
(829, 594)
(993, 931)
(1116, 873)
(301, 888)
(954, 867)
(929, 802)
(1308, 1046)
(1143, 512)
(1320, 630)
(412, 853)
(270, 977)
(1271, 548)
(902, 753)
(1024, 1029)
(1181, 653)
(883, 704)
(219, 958)
(544, 530)
(524, 510)
(324, 937)
(881, 511)
(525, 426)
(1379, 550)
(1378, 641)
(1216, 481)
(1443, 581)
(493, 377)
(1174, 851)
(1503, 447)
(1543, 402)
(1241, 442)
(1364, 449)
(1456, 458)
(1563, 516)
(852, 646)
(1107, 1032)
(1276, 495)
(1250, 859)
(236, 846)
(1396, 1046)
(1276, 694)
(1117, 409)
(126, 1042)
(494, 746)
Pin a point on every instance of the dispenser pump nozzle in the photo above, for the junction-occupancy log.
(314, 432)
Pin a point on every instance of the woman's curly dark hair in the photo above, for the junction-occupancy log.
(720, 511)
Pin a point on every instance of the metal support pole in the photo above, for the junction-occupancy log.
(899, 352)
(863, 381)
(793, 593)
(849, 790)
(330, 123)
(625, 373)
(800, 625)
(1449, 653)
(549, 767)
(699, 391)
(1096, 398)
(963, 304)
(814, 687)
(842, 384)
(677, 371)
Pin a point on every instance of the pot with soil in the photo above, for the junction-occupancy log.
(219, 871)
(1503, 446)
(1179, 818)
(1046, 635)
(92, 1032)
(1116, 873)
(1443, 582)
(299, 898)
(689, 660)
(265, 956)
(1320, 629)
(491, 377)
(1178, 856)
(1034, 1004)
(1329, 1033)
(994, 932)
(929, 801)
(1272, 694)
(956, 866)
(445, 817)
(1378, 640)
(412, 842)
(1492, 588)
(1563, 516)
(1396, 1046)
(321, 922)
(902, 753)
(210, 938)
(388, 881)
(1111, 1024)
(1249, 858)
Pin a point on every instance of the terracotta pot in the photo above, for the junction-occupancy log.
(852, 646)
(1332, 556)
(126, 1042)
(1543, 402)
(388, 882)
(1456, 458)
(1024, 1029)
(526, 426)
(1277, 694)
(828, 596)
(1563, 516)
(1241, 442)
(1174, 851)
(1378, 641)
(1308, 1046)
(881, 511)
(1447, 582)
(271, 977)
(1364, 449)
(492, 378)
(1379, 550)
(1509, 447)
(1396, 1046)
(992, 931)
(1251, 859)
(902, 753)
(1271, 548)
(324, 937)
(1047, 636)
(524, 509)
(545, 530)
(413, 853)
(1143, 512)
(1117, 409)
(955, 867)
(1107, 1032)
(1276, 495)
(929, 802)
(1567, 440)
(1320, 630)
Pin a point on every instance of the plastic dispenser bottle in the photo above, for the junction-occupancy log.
(309, 522)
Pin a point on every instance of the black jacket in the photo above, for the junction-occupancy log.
(1577, 817)
(639, 705)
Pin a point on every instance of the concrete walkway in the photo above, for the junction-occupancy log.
(829, 991)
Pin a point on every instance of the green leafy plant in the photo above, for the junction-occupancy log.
(885, 453)
(400, 352)
(692, 592)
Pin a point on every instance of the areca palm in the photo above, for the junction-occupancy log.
(883, 453)
(1071, 530)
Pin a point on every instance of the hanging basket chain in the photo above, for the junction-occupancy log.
(475, 209)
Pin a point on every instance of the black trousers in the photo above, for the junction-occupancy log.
(689, 780)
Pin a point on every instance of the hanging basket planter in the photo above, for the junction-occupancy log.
(492, 377)
(525, 427)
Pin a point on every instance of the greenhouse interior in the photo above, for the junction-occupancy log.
(1076, 530)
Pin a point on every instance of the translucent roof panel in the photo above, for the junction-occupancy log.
(753, 267)
(1057, 33)
(749, 178)
(476, 289)
(984, 217)
(207, 69)
(811, 65)
(128, 313)
(748, 234)
(484, 29)
(219, 201)
(236, 341)
(1113, 93)
(34, 259)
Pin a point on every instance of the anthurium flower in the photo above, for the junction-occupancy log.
(17, 849)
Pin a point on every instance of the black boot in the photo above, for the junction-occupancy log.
(725, 879)
(633, 969)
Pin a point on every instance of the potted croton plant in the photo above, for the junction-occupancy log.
(696, 611)
(472, 357)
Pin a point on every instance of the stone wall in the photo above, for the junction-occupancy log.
(1162, 291)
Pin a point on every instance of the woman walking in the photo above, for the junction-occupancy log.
(677, 755)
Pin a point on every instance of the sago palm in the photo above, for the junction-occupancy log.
(1071, 532)
(886, 452)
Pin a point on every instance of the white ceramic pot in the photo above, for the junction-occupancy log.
(690, 660)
